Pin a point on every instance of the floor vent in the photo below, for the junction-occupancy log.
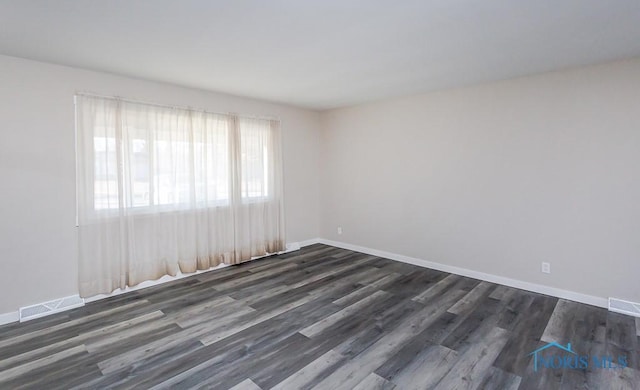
(44, 309)
(624, 307)
(293, 246)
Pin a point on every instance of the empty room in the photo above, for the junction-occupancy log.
(282, 194)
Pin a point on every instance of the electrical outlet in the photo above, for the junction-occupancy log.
(339, 229)
(546, 268)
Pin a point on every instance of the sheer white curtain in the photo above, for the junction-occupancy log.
(164, 189)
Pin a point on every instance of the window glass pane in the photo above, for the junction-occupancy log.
(211, 151)
(155, 157)
(105, 173)
(139, 172)
(254, 135)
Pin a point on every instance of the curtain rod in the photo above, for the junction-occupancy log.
(90, 94)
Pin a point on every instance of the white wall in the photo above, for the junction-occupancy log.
(494, 178)
(37, 168)
(498, 178)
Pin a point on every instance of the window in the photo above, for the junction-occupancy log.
(254, 159)
(146, 159)
(163, 189)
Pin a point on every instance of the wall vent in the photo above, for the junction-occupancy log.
(44, 309)
(624, 307)
(293, 246)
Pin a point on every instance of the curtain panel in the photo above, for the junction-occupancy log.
(162, 190)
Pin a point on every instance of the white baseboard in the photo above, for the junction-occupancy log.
(310, 242)
(538, 288)
(6, 318)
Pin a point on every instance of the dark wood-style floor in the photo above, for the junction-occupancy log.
(322, 318)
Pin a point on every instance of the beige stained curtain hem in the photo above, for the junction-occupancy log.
(163, 189)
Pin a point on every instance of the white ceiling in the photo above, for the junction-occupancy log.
(324, 53)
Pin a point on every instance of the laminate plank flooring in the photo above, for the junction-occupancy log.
(319, 318)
